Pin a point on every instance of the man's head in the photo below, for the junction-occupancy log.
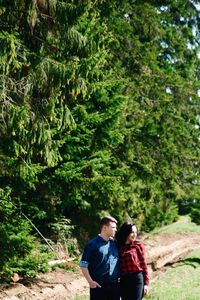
(108, 226)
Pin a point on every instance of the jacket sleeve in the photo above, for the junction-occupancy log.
(85, 260)
(143, 262)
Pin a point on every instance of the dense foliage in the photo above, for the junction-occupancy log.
(99, 114)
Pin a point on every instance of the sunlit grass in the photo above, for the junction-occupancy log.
(81, 298)
(181, 282)
(184, 224)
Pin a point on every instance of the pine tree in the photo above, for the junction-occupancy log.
(158, 48)
(100, 110)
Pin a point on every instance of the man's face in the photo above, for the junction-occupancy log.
(111, 229)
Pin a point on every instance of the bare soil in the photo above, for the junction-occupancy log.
(162, 251)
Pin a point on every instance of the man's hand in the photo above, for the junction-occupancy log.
(146, 290)
(93, 284)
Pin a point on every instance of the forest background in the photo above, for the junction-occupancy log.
(99, 115)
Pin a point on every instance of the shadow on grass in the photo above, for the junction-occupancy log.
(192, 261)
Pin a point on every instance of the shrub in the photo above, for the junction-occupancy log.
(195, 213)
(19, 252)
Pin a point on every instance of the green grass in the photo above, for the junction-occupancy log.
(180, 282)
(184, 224)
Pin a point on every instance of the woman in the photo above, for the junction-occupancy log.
(134, 274)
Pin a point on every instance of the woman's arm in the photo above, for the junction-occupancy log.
(143, 265)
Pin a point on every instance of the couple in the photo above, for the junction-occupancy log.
(115, 268)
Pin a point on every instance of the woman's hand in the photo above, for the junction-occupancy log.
(146, 290)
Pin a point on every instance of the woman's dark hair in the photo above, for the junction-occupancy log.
(123, 233)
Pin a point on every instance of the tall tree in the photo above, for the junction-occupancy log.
(158, 45)
(100, 109)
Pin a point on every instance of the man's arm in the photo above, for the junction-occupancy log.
(93, 284)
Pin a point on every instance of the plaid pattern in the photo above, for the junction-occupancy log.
(132, 259)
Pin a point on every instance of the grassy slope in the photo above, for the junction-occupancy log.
(181, 282)
(184, 224)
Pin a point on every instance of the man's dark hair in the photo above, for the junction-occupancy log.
(106, 221)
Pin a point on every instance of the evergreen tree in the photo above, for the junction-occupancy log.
(158, 44)
(100, 111)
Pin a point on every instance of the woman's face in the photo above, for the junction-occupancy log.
(132, 236)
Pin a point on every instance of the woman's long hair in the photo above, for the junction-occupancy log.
(123, 233)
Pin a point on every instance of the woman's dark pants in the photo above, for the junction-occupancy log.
(132, 286)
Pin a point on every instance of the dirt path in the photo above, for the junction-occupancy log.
(60, 284)
(167, 249)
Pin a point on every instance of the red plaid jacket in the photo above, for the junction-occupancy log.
(132, 259)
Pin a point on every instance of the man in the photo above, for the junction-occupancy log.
(100, 264)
